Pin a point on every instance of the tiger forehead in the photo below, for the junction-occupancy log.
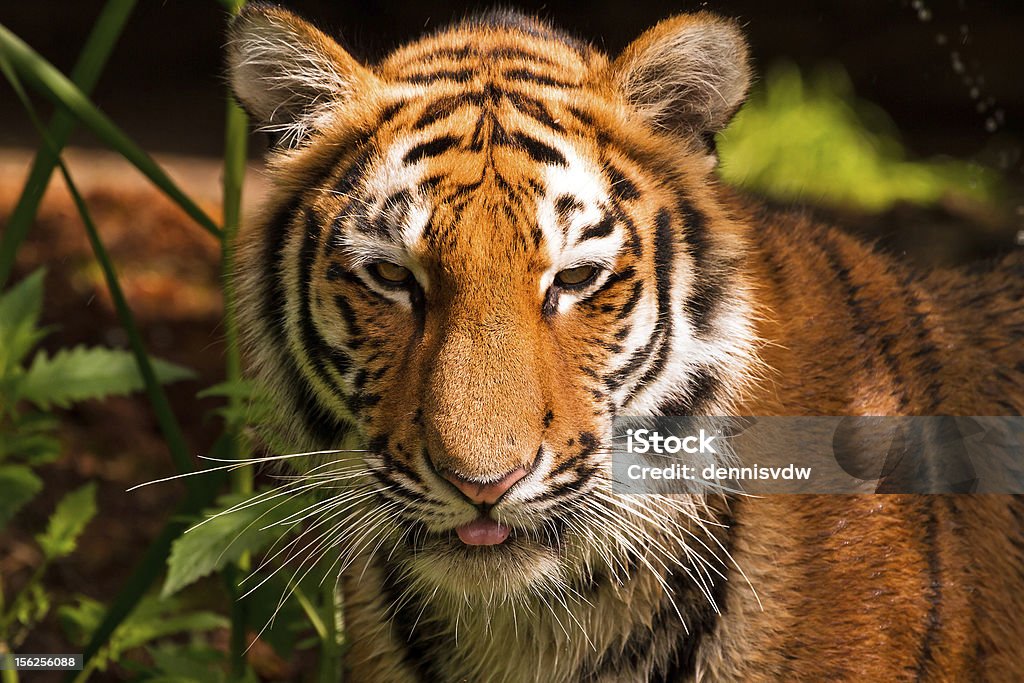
(455, 204)
(510, 46)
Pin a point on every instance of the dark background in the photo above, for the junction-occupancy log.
(164, 79)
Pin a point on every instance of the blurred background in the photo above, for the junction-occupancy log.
(901, 120)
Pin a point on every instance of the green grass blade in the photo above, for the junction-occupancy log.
(85, 74)
(169, 426)
(236, 133)
(201, 490)
(53, 85)
(154, 561)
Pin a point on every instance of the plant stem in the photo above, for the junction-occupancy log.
(7, 675)
(55, 86)
(236, 131)
(161, 406)
(85, 74)
(329, 650)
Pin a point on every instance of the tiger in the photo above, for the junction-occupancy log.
(481, 250)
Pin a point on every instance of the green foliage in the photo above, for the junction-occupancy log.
(69, 376)
(813, 140)
(27, 437)
(68, 522)
(151, 620)
(18, 485)
(82, 373)
(245, 402)
(173, 663)
(239, 524)
(19, 312)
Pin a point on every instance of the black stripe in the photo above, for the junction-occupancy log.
(538, 151)
(567, 204)
(318, 352)
(418, 645)
(643, 655)
(708, 291)
(273, 254)
(622, 187)
(601, 229)
(390, 112)
(430, 148)
(869, 330)
(632, 301)
(701, 392)
(623, 275)
(539, 79)
(445, 107)
(664, 261)
(457, 75)
(534, 108)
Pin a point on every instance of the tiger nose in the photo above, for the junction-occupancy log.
(486, 493)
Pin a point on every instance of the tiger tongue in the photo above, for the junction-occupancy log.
(483, 531)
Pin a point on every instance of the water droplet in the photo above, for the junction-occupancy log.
(1020, 237)
(991, 125)
(958, 65)
(924, 14)
(974, 93)
(1000, 116)
(941, 39)
(981, 106)
(963, 29)
(917, 4)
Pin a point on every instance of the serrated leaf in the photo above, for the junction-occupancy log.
(33, 605)
(223, 539)
(20, 307)
(18, 485)
(154, 618)
(30, 439)
(82, 373)
(68, 521)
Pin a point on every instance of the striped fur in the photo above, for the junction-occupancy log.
(488, 159)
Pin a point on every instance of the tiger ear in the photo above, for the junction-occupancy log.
(688, 74)
(288, 75)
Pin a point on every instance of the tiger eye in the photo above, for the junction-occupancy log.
(391, 273)
(574, 277)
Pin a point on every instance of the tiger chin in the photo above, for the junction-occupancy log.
(481, 250)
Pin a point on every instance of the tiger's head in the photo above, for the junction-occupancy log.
(479, 252)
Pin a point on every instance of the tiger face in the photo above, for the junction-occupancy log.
(482, 251)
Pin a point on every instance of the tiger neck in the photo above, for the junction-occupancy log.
(645, 620)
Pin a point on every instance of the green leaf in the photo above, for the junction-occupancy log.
(20, 307)
(223, 539)
(247, 403)
(82, 373)
(32, 606)
(68, 521)
(195, 663)
(30, 438)
(18, 485)
(154, 618)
